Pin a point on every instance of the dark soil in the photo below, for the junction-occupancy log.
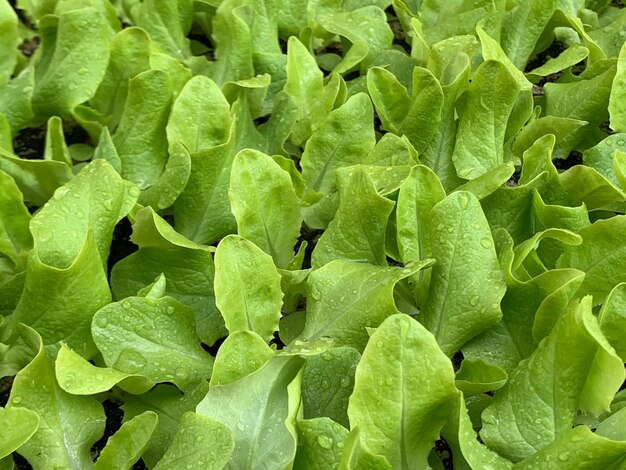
(121, 245)
(30, 143)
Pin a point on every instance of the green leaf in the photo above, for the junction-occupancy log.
(358, 230)
(255, 409)
(68, 425)
(612, 318)
(125, 447)
(345, 138)
(367, 31)
(140, 138)
(320, 444)
(70, 42)
(15, 100)
(130, 55)
(598, 256)
(18, 426)
(530, 412)
(522, 27)
(187, 448)
(416, 116)
(357, 457)
(475, 377)
(36, 179)
(618, 92)
(345, 298)
(585, 100)
(94, 201)
(152, 337)
(466, 284)
(170, 405)
(187, 266)
(467, 451)
(188, 123)
(79, 377)
(165, 24)
(600, 157)
(580, 447)
(9, 41)
(15, 236)
(247, 287)
(327, 383)
(403, 389)
(568, 58)
(265, 205)
(229, 367)
(304, 86)
(480, 140)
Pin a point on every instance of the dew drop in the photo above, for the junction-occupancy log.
(464, 200)
(325, 384)
(485, 243)
(170, 310)
(199, 438)
(108, 205)
(621, 142)
(17, 400)
(345, 382)
(134, 191)
(126, 304)
(327, 357)
(80, 214)
(474, 300)
(325, 442)
(564, 456)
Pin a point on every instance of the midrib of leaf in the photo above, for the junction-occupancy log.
(440, 314)
(324, 170)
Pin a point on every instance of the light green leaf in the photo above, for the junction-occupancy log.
(130, 55)
(140, 138)
(529, 412)
(304, 86)
(467, 451)
(327, 383)
(187, 266)
(599, 256)
(475, 377)
(36, 179)
(15, 236)
(265, 205)
(618, 94)
(170, 405)
(165, 190)
(367, 31)
(15, 100)
(580, 447)
(200, 117)
(68, 425)
(466, 284)
(155, 338)
(358, 230)
(345, 298)
(255, 409)
(416, 116)
(487, 183)
(9, 41)
(229, 367)
(403, 391)
(74, 57)
(601, 156)
(94, 201)
(187, 448)
(345, 138)
(585, 100)
(612, 318)
(167, 23)
(125, 447)
(357, 457)
(568, 58)
(567, 132)
(588, 186)
(522, 27)
(247, 287)
(55, 147)
(320, 444)
(17, 426)
(480, 140)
